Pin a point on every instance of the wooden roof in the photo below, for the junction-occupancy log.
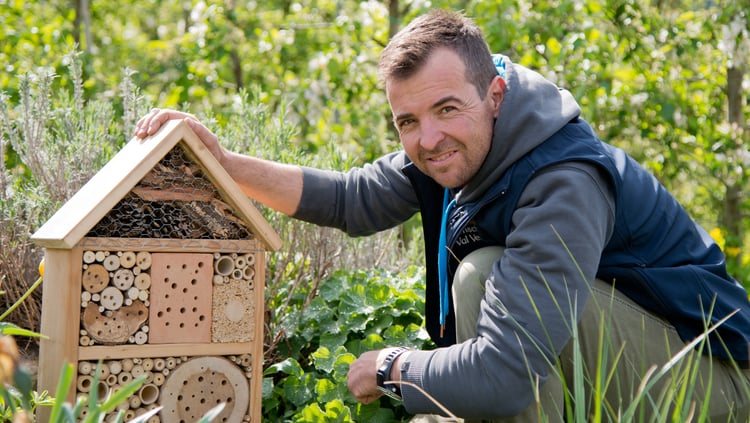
(118, 177)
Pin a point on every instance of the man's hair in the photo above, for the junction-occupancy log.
(410, 48)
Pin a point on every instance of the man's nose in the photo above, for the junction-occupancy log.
(432, 134)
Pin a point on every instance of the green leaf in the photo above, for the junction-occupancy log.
(298, 391)
(311, 413)
(333, 340)
(63, 386)
(326, 390)
(289, 366)
(323, 359)
(373, 413)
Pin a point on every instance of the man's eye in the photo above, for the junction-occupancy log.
(447, 109)
(405, 123)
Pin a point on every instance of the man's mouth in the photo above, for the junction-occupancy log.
(440, 158)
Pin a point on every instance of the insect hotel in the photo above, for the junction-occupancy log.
(156, 267)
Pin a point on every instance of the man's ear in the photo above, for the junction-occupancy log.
(496, 93)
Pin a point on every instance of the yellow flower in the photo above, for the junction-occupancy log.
(718, 236)
(41, 267)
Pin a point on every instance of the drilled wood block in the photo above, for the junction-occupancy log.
(180, 298)
(117, 327)
(202, 383)
(95, 278)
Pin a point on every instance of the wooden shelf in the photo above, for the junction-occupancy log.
(114, 352)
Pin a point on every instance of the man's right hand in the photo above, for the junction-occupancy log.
(149, 124)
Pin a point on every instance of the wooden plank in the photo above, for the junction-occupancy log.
(115, 352)
(156, 245)
(60, 320)
(256, 382)
(106, 188)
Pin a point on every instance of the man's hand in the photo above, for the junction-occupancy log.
(149, 124)
(362, 376)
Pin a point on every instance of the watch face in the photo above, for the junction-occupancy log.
(387, 391)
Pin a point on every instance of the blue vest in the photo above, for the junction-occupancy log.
(657, 255)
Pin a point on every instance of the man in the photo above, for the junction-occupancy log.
(547, 234)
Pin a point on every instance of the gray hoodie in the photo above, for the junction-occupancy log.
(491, 375)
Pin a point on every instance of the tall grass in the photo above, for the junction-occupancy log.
(667, 392)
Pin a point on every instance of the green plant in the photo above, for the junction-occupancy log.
(353, 312)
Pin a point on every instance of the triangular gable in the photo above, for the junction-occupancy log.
(76, 218)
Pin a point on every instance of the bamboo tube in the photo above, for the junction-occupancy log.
(102, 390)
(124, 378)
(137, 370)
(171, 363)
(84, 367)
(141, 338)
(224, 265)
(103, 371)
(149, 393)
(115, 367)
(111, 380)
(143, 296)
(159, 379)
(135, 401)
(84, 383)
(249, 273)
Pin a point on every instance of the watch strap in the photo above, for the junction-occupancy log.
(384, 374)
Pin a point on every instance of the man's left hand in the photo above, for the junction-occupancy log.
(362, 376)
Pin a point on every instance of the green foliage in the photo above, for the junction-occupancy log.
(353, 312)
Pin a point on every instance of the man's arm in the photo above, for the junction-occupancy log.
(276, 185)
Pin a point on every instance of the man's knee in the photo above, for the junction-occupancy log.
(475, 268)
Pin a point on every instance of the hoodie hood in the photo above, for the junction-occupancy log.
(533, 109)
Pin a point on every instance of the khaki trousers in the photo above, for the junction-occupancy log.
(635, 340)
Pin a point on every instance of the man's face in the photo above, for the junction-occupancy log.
(445, 127)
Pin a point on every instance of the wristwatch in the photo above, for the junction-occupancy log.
(393, 390)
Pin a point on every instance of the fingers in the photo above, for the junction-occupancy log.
(361, 379)
(151, 122)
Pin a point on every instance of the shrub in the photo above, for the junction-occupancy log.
(354, 312)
